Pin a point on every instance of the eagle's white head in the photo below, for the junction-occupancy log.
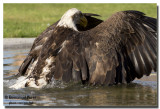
(71, 18)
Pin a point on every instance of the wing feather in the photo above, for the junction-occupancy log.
(133, 36)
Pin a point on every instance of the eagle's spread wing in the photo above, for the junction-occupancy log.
(36, 48)
(116, 51)
(42, 38)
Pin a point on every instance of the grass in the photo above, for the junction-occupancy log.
(29, 20)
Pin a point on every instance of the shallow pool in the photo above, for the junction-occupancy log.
(138, 93)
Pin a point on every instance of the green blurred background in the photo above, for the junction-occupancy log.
(29, 20)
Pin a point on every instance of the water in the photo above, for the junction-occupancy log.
(138, 93)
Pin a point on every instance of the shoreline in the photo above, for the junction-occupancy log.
(17, 43)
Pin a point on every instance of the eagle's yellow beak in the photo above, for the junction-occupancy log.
(83, 21)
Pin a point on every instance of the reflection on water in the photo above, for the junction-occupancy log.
(139, 93)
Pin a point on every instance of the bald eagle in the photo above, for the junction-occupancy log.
(118, 50)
